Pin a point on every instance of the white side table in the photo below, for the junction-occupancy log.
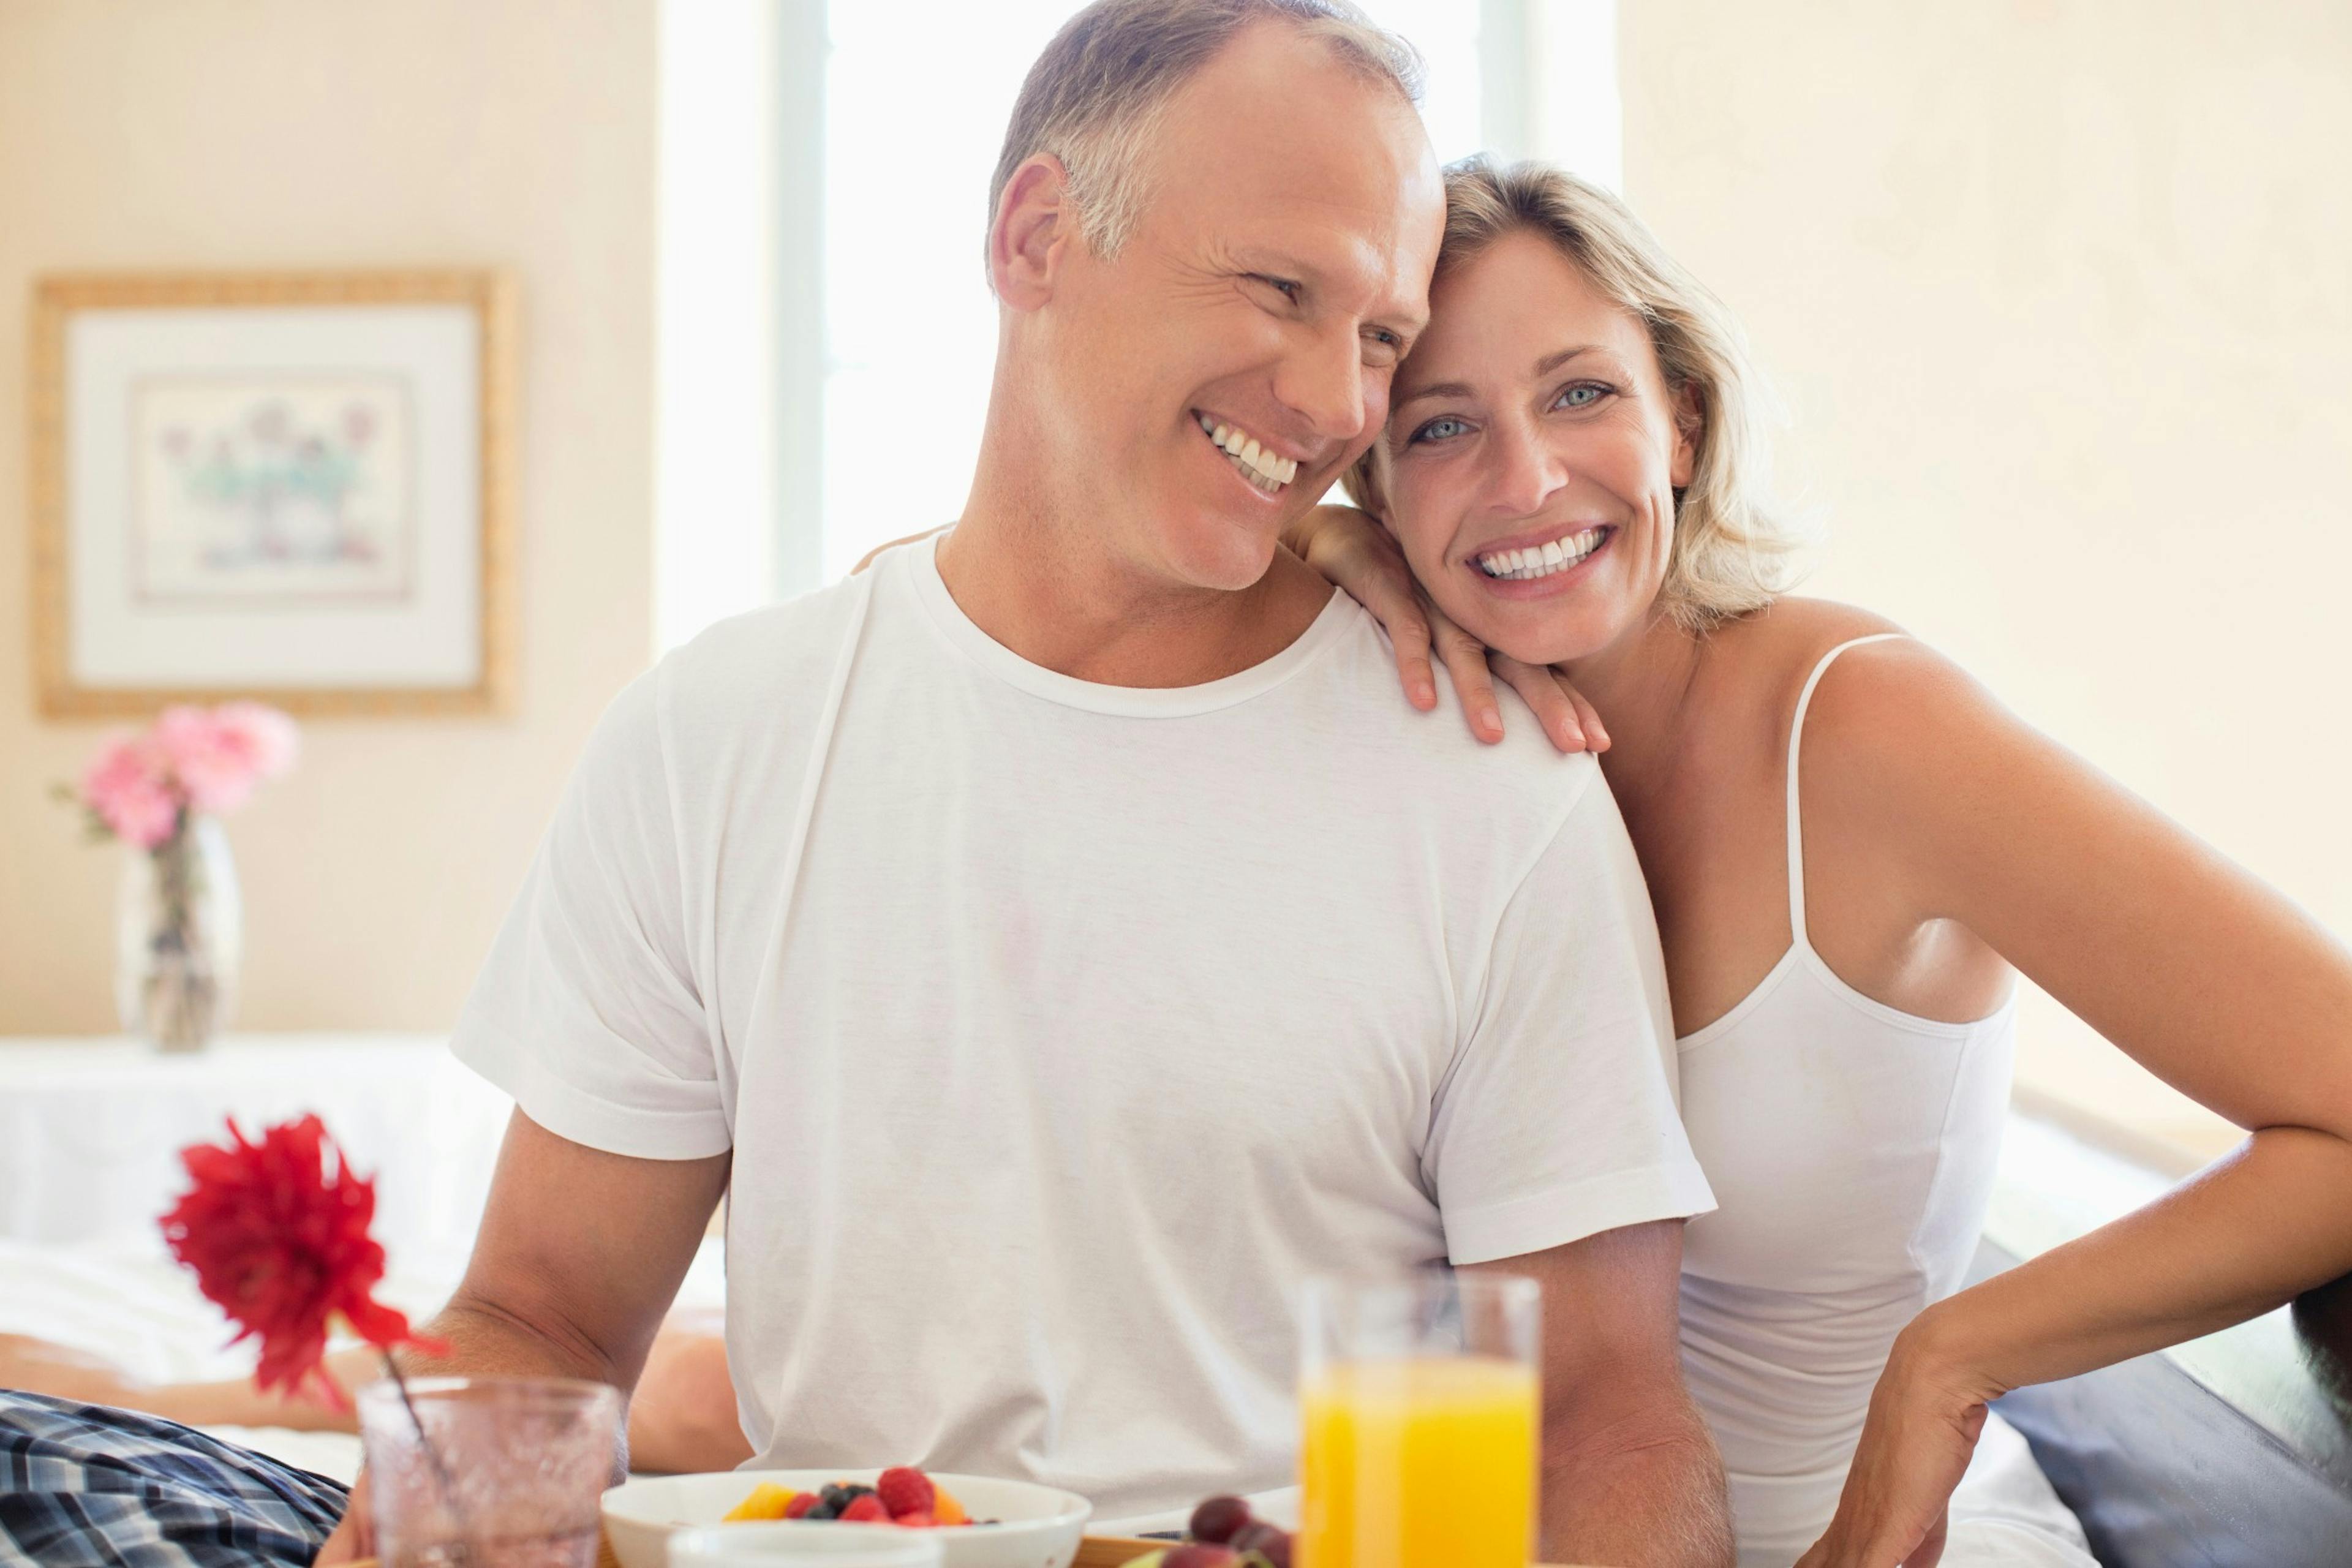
(90, 1130)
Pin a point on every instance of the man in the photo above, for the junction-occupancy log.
(1054, 942)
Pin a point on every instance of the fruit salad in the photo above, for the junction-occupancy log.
(1222, 1534)
(901, 1495)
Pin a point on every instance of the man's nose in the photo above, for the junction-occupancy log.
(1525, 472)
(1322, 380)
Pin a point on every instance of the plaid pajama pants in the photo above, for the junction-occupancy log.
(82, 1486)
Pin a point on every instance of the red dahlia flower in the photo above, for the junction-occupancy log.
(277, 1233)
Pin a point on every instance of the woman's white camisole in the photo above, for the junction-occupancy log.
(1852, 1149)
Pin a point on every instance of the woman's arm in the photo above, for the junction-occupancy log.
(681, 1418)
(1351, 549)
(2211, 980)
(38, 1366)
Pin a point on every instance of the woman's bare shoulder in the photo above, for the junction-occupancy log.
(1888, 720)
(1762, 659)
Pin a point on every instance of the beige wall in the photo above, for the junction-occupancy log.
(2060, 292)
(274, 133)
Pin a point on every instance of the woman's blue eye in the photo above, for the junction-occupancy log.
(1288, 288)
(1444, 427)
(1583, 394)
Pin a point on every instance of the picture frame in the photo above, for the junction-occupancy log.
(293, 487)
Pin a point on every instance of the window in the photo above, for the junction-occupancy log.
(827, 332)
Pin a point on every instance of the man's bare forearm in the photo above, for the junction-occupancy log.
(486, 1340)
(1648, 1502)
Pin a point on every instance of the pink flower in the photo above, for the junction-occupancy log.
(268, 736)
(128, 788)
(194, 759)
(219, 754)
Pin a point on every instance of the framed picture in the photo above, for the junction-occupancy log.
(297, 487)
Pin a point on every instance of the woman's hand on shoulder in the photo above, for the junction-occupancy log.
(1352, 550)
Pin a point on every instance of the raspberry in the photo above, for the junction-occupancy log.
(905, 1490)
(802, 1502)
(867, 1510)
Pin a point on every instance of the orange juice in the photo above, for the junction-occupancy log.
(1420, 1462)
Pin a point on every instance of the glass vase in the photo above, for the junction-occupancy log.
(179, 938)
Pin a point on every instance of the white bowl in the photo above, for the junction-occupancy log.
(765, 1545)
(1040, 1527)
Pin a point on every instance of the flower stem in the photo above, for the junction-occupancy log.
(462, 1549)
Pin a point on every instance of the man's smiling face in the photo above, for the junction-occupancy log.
(1213, 378)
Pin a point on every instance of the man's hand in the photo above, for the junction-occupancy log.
(1925, 1418)
(354, 1538)
(1631, 1476)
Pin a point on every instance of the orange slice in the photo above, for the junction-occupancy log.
(767, 1500)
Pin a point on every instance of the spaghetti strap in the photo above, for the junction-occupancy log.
(1796, 833)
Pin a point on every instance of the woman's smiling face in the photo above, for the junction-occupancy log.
(1532, 454)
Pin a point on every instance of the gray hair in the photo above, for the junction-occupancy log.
(1095, 96)
(1730, 554)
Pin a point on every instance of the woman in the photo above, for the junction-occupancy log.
(1568, 478)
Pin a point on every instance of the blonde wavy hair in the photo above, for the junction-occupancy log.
(1730, 554)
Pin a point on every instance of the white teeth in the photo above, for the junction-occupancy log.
(1258, 464)
(1558, 555)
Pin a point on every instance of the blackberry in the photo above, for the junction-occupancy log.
(834, 1498)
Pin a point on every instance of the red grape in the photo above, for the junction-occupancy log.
(1267, 1541)
(1219, 1520)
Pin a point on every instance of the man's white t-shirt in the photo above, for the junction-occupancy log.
(1060, 1032)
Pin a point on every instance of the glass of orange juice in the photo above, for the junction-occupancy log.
(1419, 1398)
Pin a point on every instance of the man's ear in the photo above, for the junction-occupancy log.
(1690, 428)
(1033, 221)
